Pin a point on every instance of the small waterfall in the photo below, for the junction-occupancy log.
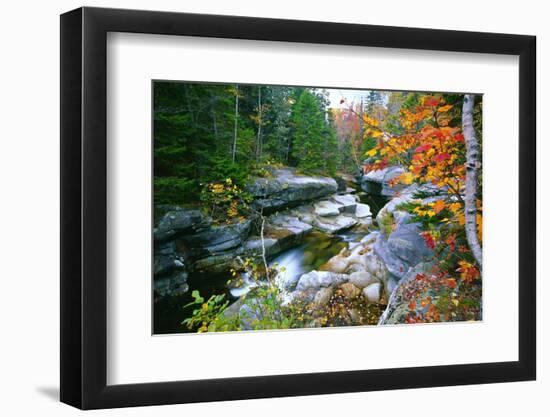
(290, 265)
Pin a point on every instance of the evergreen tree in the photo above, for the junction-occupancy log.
(308, 121)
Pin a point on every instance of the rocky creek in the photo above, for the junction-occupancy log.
(327, 237)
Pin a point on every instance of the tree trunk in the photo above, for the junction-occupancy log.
(472, 167)
(259, 140)
(234, 150)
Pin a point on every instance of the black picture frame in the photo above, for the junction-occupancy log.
(84, 207)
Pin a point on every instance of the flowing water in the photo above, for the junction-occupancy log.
(315, 250)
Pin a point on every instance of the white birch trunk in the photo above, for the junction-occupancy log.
(472, 167)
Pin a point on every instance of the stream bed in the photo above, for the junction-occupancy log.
(315, 250)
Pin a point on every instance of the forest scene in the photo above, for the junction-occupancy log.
(279, 207)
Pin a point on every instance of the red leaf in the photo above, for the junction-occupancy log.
(431, 101)
(442, 157)
(428, 238)
(450, 282)
(423, 148)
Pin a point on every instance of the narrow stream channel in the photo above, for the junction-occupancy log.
(316, 249)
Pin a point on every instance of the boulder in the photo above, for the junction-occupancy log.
(335, 224)
(347, 201)
(338, 264)
(362, 210)
(318, 279)
(378, 182)
(167, 258)
(218, 239)
(327, 208)
(398, 303)
(286, 188)
(373, 292)
(323, 296)
(342, 183)
(172, 285)
(177, 222)
(408, 194)
(350, 291)
(217, 264)
(281, 232)
(362, 279)
(403, 248)
(376, 267)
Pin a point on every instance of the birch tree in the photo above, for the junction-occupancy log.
(472, 168)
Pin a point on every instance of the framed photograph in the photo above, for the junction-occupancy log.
(257, 208)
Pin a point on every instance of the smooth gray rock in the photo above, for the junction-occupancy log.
(362, 210)
(322, 297)
(373, 292)
(347, 201)
(327, 208)
(318, 279)
(335, 224)
(402, 249)
(288, 189)
(362, 279)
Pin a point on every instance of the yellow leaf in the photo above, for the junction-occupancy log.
(406, 178)
(372, 152)
(444, 109)
(376, 133)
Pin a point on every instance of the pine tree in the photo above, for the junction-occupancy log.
(308, 121)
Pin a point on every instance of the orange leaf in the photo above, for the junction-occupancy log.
(438, 206)
(443, 109)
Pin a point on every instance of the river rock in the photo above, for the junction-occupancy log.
(318, 279)
(286, 188)
(350, 291)
(347, 201)
(362, 210)
(362, 279)
(323, 296)
(403, 248)
(334, 225)
(378, 181)
(338, 264)
(328, 208)
(373, 292)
